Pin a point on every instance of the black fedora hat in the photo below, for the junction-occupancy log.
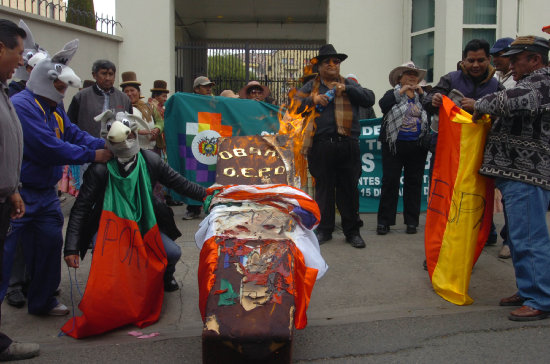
(328, 51)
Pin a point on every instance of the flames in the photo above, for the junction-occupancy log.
(297, 120)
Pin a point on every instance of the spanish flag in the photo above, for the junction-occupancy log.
(460, 203)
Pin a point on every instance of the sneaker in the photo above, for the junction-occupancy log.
(20, 351)
(504, 252)
(16, 298)
(190, 215)
(59, 310)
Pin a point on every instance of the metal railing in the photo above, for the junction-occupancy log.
(58, 10)
(231, 65)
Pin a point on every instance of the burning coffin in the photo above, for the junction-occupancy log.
(259, 257)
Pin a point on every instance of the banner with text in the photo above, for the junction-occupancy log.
(370, 183)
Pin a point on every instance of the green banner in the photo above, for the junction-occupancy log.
(370, 183)
(193, 123)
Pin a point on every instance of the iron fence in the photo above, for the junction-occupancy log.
(58, 10)
(231, 65)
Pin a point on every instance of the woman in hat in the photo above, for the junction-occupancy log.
(152, 124)
(404, 124)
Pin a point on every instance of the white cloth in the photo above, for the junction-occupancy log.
(258, 221)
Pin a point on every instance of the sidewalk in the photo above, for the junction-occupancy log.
(382, 282)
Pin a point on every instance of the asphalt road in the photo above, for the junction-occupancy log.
(374, 305)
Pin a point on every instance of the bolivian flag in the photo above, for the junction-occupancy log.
(125, 285)
(460, 203)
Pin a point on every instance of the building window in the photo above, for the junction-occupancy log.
(480, 20)
(422, 35)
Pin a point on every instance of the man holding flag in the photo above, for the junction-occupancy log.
(517, 154)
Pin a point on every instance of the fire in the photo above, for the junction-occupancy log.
(297, 120)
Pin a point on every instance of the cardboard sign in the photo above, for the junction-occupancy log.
(255, 160)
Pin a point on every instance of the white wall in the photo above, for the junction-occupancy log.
(370, 32)
(52, 36)
(533, 15)
(375, 34)
(148, 48)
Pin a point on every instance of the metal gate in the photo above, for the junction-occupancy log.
(231, 66)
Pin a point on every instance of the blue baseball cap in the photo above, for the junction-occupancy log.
(503, 44)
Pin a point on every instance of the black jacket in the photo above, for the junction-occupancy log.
(87, 209)
(326, 121)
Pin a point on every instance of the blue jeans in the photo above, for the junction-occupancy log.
(525, 208)
(173, 254)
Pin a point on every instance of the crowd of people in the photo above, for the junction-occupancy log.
(37, 138)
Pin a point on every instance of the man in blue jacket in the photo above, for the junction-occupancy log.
(50, 141)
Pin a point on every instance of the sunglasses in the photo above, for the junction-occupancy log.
(334, 61)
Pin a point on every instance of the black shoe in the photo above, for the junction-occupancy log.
(16, 298)
(171, 285)
(322, 237)
(356, 241)
(492, 239)
(382, 229)
(411, 229)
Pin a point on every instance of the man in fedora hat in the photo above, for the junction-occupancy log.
(334, 158)
(517, 155)
(92, 101)
(254, 91)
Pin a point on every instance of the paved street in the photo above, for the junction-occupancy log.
(374, 305)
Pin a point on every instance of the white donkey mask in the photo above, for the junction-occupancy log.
(31, 51)
(48, 70)
(116, 131)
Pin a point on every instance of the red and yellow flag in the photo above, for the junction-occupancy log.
(125, 285)
(460, 203)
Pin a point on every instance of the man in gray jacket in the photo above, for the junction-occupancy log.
(11, 150)
(92, 101)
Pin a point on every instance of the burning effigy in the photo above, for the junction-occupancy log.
(259, 256)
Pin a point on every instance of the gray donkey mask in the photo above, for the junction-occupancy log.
(32, 51)
(50, 69)
(120, 133)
